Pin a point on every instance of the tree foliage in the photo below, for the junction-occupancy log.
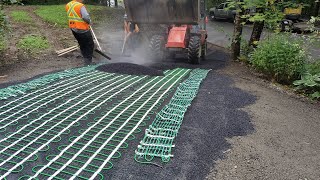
(212, 3)
(52, 2)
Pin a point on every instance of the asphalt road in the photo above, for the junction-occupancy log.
(220, 33)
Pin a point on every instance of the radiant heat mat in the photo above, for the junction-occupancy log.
(73, 124)
(159, 137)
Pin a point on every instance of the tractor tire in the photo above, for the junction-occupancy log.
(171, 55)
(194, 50)
(156, 47)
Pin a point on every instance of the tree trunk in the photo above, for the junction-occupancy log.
(236, 40)
(256, 33)
(116, 3)
(316, 8)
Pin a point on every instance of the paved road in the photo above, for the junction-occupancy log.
(220, 33)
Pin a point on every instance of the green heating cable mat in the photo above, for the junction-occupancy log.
(160, 135)
(74, 124)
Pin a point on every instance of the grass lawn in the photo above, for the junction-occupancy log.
(21, 17)
(33, 43)
(56, 14)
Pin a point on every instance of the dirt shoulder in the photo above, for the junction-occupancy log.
(20, 65)
(285, 143)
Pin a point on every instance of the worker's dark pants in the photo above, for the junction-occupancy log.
(86, 44)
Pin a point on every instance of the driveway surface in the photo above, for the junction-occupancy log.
(238, 127)
(220, 33)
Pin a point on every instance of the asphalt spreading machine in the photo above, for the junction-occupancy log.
(184, 22)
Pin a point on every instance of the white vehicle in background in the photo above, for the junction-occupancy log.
(224, 11)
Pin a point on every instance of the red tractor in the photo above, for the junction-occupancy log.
(181, 26)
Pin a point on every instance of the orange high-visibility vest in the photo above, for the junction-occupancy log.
(73, 9)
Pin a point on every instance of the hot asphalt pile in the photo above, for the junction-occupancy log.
(129, 68)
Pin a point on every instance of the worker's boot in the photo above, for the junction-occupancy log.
(87, 61)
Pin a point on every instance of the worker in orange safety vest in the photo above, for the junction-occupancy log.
(79, 23)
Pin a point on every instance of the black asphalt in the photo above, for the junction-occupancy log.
(214, 116)
(129, 68)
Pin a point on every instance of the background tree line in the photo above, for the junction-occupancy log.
(311, 7)
(49, 2)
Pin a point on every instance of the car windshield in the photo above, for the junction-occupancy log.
(221, 6)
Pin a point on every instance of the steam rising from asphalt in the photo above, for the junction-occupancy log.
(111, 42)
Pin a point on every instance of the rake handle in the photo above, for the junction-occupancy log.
(95, 38)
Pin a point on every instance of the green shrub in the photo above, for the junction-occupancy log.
(33, 43)
(313, 68)
(280, 58)
(245, 50)
(21, 16)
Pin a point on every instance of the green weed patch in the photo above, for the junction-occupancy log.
(21, 17)
(33, 43)
(2, 43)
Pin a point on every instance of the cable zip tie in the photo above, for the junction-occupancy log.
(157, 136)
(161, 129)
(154, 145)
(154, 154)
